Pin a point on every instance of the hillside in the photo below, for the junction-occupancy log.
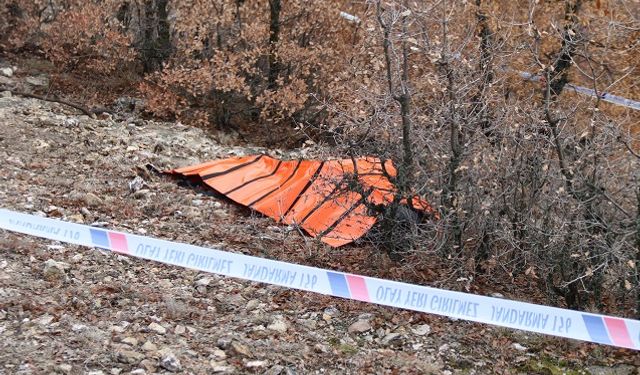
(88, 311)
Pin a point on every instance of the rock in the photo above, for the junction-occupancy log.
(7, 72)
(6, 81)
(170, 362)
(65, 368)
(155, 327)
(389, 338)
(117, 329)
(54, 270)
(129, 356)
(148, 365)
(234, 299)
(130, 341)
(40, 81)
(224, 343)
(279, 324)
(78, 327)
(614, 370)
(180, 329)
(44, 320)
(76, 218)
(220, 213)
(203, 282)
(359, 327)
(421, 330)
(148, 346)
(274, 370)
(218, 367)
(240, 348)
(136, 184)
(252, 304)
(92, 200)
(519, 347)
(330, 313)
(219, 354)
(255, 364)
(70, 122)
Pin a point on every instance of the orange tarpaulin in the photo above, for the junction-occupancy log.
(328, 199)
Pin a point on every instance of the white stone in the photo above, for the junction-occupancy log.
(7, 72)
(157, 328)
(421, 330)
(359, 327)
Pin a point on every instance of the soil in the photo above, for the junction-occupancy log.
(71, 309)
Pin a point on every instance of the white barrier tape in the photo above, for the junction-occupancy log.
(500, 312)
(615, 99)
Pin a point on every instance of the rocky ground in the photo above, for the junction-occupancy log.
(70, 309)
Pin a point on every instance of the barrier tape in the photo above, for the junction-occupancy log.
(524, 316)
(615, 99)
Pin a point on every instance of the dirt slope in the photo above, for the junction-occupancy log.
(70, 309)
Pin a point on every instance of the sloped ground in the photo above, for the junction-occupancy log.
(70, 309)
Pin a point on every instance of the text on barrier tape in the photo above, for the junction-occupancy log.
(501, 312)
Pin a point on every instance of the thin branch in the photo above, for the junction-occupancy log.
(87, 111)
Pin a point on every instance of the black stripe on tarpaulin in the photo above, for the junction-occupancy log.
(254, 179)
(304, 190)
(327, 198)
(276, 189)
(344, 215)
(235, 168)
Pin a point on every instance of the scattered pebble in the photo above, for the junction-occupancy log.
(155, 327)
(421, 330)
(180, 329)
(54, 270)
(129, 356)
(7, 72)
(170, 362)
(279, 324)
(359, 326)
(148, 346)
(130, 341)
(240, 349)
(255, 364)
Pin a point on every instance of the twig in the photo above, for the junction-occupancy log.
(81, 108)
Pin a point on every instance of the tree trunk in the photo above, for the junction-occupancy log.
(275, 6)
(149, 24)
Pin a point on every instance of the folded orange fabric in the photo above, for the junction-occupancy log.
(328, 199)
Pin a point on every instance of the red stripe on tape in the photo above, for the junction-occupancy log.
(119, 242)
(618, 332)
(358, 288)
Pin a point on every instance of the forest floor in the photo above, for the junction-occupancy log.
(71, 309)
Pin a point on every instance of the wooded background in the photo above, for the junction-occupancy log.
(533, 182)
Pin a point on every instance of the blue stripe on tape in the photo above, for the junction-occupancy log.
(99, 238)
(338, 284)
(595, 327)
